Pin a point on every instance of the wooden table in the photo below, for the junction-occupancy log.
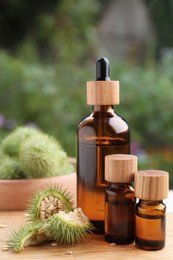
(94, 247)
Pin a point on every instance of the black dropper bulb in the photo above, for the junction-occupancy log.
(102, 69)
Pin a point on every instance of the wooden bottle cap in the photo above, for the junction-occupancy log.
(120, 168)
(151, 184)
(102, 92)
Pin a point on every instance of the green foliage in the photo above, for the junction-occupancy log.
(66, 36)
(18, 17)
(146, 102)
(162, 18)
(53, 97)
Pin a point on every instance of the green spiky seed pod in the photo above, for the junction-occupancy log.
(48, 202)
(42, 157)
(68, 228)
(10, 168)
(66, 168)
(12, 142)
(25, 236)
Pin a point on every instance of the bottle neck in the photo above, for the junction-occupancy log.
(120, 186)
(151, 207)
(145, 203)
(102, 108)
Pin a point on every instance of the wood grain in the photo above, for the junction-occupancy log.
(120, 168)
(94, 247)
(102, 92)
(151, 184)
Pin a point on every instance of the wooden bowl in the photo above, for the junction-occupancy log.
(16, 194)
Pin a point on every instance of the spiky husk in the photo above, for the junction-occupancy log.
(42, 157)
(25, 236)
(10, 168)
(64, 202)
(68, 228)
(12, 142)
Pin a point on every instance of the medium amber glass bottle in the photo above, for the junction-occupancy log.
(151, 187)
(120, 198)
(101, 133)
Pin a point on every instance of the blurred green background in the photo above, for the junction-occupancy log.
(48, 51)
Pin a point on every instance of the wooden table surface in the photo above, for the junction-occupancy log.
(94, 247)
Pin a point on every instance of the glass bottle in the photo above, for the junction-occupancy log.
(120, 198)
(101, 133)
(151, 187)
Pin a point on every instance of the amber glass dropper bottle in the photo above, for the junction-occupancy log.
(101, 133)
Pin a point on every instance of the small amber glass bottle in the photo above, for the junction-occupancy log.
(151, 187)
(120, 198)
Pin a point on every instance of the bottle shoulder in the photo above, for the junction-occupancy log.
(113, 120)
(106, 128)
